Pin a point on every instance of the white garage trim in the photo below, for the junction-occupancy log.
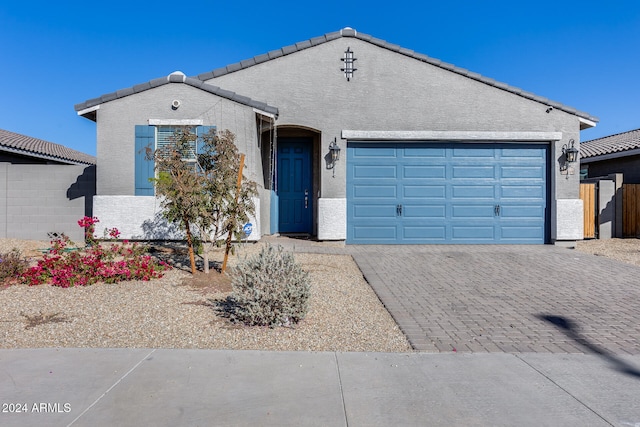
(428, 135)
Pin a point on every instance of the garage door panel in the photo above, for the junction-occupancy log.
(424, 191)
(531, 192)
(418, 171)
(368, 210)
(470, 191)
(530, 152)
(375, 232)
(424, 211)
(413, 151)
(522, 212)
(472, 234)
(422, 233)
(521, 232)
(377, 191)
(473, 211)
(373, 151)
(466, 171)
(469, 151)
(522, 172)
(446, 193)
(375, 172)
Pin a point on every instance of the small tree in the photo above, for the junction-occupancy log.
(198, 191)
(179, 185)
(232, 195)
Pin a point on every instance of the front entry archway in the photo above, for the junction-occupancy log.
(295, 185)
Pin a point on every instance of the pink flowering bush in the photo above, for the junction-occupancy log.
(65, 265)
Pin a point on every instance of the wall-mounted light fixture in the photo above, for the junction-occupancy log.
(334, 151)
(570, 153)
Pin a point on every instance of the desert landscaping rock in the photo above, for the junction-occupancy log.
(345, 314)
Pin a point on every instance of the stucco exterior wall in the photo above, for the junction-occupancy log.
(140, 218)
(38, 199)
(390, 91)
(116, 130)
(628, 166)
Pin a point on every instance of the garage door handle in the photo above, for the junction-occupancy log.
(399, 210)
(496, 210)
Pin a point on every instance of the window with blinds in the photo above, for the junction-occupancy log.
(164, 135)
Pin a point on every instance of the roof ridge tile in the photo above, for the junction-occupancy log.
(350, 32)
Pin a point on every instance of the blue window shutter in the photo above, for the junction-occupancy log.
(200, 132)
(145, 138)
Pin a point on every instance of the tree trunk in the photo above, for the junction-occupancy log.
(205, 257)
(192, 258)
(232, 224)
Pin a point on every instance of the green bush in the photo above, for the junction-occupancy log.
(269, 289)
(12, 265)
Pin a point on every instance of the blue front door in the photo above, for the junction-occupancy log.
(295, 185)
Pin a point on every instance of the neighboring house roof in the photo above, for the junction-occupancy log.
(612, 146)
(350, 32)
(33, 147)
(175, 77)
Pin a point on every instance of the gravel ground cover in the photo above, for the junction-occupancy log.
(177, 311)
(625, 250)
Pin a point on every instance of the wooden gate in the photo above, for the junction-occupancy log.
(631, 210)
(588, 196)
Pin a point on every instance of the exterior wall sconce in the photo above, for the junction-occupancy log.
(570, 153)
(334, 150)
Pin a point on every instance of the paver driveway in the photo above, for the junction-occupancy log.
(499, 298)
(506, 298)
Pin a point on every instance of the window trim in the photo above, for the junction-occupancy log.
(173, 122)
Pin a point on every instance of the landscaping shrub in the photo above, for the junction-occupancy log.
(270, 289)
(12, 265)
(66, 265)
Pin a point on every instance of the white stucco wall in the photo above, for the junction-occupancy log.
(332, 219)
(140, 218)
(569, 217)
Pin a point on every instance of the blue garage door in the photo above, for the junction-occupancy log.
(426, 193)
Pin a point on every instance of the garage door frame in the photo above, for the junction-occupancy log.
(546, 185)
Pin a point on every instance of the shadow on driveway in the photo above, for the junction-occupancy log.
(571, 330)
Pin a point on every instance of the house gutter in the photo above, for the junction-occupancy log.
(619, 154)
(44, 156)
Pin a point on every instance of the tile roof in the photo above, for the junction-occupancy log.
(176, 77)
(33, 147)
(198, 81)
(350, 32)
(618, 143)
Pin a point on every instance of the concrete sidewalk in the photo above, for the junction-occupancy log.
(142, 387)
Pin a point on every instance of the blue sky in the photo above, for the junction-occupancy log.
(54, 55)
